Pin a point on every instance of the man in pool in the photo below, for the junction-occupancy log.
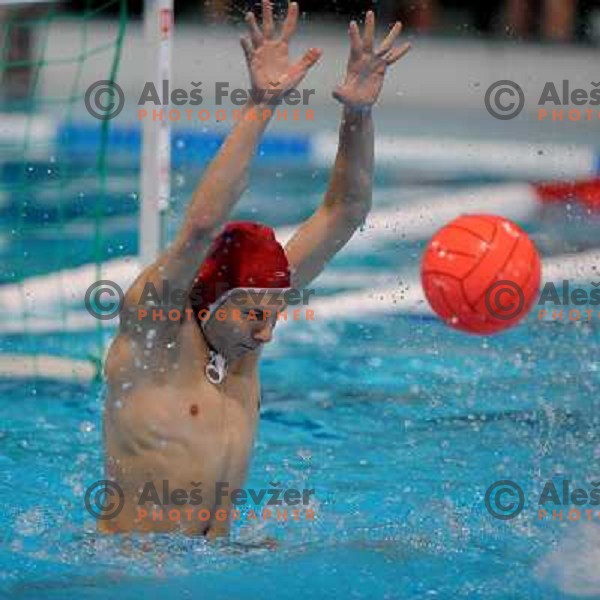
(183, 395)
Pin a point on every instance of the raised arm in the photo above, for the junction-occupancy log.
(226, 177)
(348, 198)
(268, 62)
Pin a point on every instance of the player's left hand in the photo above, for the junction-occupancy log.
(366, 66)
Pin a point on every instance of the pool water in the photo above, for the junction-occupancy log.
(398, 423)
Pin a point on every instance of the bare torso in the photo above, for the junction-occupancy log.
(164, 421)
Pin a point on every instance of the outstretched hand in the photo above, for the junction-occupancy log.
(367, 67)
(267, 55)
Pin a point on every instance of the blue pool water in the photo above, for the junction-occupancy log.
(397, 422)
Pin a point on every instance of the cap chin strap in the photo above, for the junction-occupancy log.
(216, 368)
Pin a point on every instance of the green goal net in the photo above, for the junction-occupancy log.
(64, 204)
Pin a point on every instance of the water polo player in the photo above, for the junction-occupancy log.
(183, 394)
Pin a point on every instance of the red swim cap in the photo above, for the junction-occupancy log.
(245, 254)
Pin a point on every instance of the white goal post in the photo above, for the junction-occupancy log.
(155, 175)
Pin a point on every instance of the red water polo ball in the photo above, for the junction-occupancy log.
(481, 273)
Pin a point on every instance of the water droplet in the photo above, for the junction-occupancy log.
(375, 362)
(304, 454)
(30, 522)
